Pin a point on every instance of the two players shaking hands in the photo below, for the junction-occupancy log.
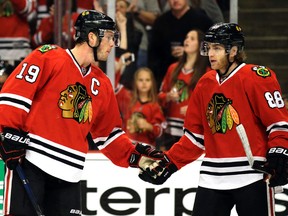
(155, 166)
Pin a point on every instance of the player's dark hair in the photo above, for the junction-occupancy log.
(240, 57)
(80, 41)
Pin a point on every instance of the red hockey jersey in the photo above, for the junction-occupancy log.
(44, 32)
(153, 114)
(15, 29)
(48, 96)
(123, 97)
(250, 96)
(174, 117)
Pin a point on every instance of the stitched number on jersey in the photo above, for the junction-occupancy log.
(32, 73)
(274, 100)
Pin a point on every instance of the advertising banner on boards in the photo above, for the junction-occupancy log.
(111, 190)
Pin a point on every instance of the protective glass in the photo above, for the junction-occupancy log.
(110, 35)
(205, 47)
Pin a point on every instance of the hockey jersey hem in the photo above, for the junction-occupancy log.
(47, 155)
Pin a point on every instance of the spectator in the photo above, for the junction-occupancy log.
(123, 97)
(5, 71)
(76, 6)
(231, 97)
(163, 5)
(121, 64)
(44, 34)
(85, 5)
(172, 27)
(42, 10)
(15, 19)
(145, 13)
(211, 8)
(134, 35)
(178, 84)
(225, 8)
(123, 94)
(49, 103)
(130, 41)
(145, 120)
(131, 36)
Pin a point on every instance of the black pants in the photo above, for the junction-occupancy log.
(55, 196)
(256, 199)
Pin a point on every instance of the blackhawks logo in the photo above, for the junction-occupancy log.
(262, 71)
(6, 8)
(182, 89)
(220, 114)
(46, 48)
(132, 125)
(75, 103)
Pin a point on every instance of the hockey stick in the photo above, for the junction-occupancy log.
(253, 164)
(28, 190)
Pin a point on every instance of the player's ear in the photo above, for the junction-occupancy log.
(233, 52)
(93, 39)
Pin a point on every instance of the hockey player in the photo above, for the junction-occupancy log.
(231, 94)
(48, 105)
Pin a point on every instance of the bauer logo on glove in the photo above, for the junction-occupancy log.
(277, 165)
(16, 138)
(13, 146)
(278, 150)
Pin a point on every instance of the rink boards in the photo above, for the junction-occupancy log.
(111, 190)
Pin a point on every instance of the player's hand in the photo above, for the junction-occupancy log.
(159, 171)
(144, 155)
(277, 166)
(13, 146)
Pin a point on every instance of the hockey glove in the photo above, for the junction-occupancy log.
(277, 166)
(12, 146)
(144, 155)
(159, 171)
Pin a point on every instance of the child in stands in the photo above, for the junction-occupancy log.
(146, 120)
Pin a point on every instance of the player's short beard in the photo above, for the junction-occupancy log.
(95, 48)
(95, 53)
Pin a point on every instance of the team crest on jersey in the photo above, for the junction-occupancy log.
(7, 9)
(220, 114)
(132, 125)
(46, 48)
(181, 87)
(75, 103)
(262, 71)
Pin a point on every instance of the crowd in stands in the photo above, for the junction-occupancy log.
(157, 64)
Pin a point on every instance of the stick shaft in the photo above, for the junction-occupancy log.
(28, 190)
(254, 165)
(245, 143)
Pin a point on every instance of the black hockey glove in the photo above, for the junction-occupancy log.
(159, 171)
(12, 146)
(277, 166)
(144, 155)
